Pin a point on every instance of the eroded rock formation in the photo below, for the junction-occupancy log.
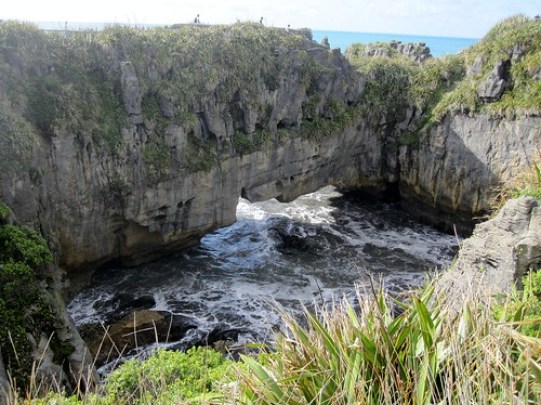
(181, 124)
(499, 253)
(453, 175)
(127, 145)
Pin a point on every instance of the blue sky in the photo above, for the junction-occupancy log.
(458, 18)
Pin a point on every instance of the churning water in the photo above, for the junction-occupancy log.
(312, 250)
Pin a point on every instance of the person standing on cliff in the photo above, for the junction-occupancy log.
(196, 19)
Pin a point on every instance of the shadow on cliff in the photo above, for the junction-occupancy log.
(448, 180)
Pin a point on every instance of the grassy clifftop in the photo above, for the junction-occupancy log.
(506, 62)
(55, 83)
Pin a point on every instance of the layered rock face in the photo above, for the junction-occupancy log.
(417, 52)
(128, 145)
(499, 253)
(455, 172)
(176, 171)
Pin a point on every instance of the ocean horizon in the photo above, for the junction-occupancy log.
(439, 46)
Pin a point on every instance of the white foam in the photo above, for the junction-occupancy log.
(237, 272)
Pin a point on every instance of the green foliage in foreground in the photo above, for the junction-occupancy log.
(524, 307)
(423, 350)
(22, 310)
(167, 377)
(424, 355)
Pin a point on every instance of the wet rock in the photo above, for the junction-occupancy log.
(126, 303)
(140, 329)
(222, 333)
(292, 242)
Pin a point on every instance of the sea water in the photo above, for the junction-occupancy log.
(439, 46)
(312, 251)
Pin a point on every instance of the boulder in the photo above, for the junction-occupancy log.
(499, 252)
(140, 329)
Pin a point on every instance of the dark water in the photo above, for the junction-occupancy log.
(313, 250)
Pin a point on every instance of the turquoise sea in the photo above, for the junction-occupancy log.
(438, 45)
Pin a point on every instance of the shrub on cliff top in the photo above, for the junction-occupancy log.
(440, 86)
(396, 83)
(72, 84)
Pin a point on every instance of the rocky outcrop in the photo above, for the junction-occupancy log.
(500, 251)
(417, 52)
(129, 145)
(173, 172)
(453, 175)
(184, 127)
(136, 330)
(492, 88)
(173, 148)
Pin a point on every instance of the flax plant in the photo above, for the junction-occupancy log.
(386, 351)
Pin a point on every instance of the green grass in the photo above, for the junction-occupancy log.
(527, 183)
(517, 33)
(530, 185)
(421, 349)
(440, 86)
(199, 376)
(424, 355)
(56, 86)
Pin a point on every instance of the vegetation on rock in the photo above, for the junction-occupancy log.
(381, 350)
(411, 351)
(515, 43)
(453, 83)
(23, 311)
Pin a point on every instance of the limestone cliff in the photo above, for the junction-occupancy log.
(130, 144)
(455, 172)
(464, 125)
(499, 253)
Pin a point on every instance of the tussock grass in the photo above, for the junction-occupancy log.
(440, 86)
(422, 349)
(423, 355)
(527, 183)
(516, 40)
